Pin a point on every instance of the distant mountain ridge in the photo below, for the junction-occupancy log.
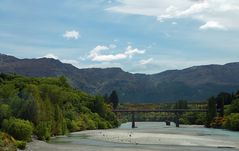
(195, 83)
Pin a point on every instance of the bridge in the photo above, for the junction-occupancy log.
(176, 111)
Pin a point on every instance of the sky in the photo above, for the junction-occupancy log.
(139, 36)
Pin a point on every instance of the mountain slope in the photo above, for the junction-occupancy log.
(195, 83)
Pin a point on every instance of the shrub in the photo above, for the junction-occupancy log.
(232, 122)
(19, 129)
(43, 131)
(233, 108)
(102, 125)
(217, 122)
(21, 145)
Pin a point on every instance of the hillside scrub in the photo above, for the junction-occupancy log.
(47, 107)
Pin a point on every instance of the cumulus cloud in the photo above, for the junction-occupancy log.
(146, 61)
(75, 63)
(71, 34)
(50, 55)
(96, 54)
(223, 12)
(163, 63)
(212, 25)
(130, 51)
(112, 46)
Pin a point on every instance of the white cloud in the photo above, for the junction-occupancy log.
(132, 51)
(50, 55)
(112, 46)
(223, 12)
(96, 54)
(75, 63)
(163, 63)
(146, 61)
(212, 25)
(71, 34)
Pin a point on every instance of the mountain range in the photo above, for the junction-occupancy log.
(196, 83)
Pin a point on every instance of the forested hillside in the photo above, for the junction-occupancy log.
(49, 106)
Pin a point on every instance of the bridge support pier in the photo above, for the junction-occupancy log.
(133, 120)
(167, 123)
(177, 120)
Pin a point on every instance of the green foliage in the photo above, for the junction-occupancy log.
(51, 105)
(5, 112)
(43, 131)
(19, 129)
(233, 108)
(21, 144)
(232, 122)
(193, 118)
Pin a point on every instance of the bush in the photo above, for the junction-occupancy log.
(21, 145)
(102, 125)
(43, 131)
(217, 122)
(232, 122)
(233, 108)
(19, 129)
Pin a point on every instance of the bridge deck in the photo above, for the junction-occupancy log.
(163, 110)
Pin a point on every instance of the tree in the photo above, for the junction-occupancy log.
(114, 99)
(98, 106)
(212, 111)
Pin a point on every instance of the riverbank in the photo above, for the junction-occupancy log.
(149, 136)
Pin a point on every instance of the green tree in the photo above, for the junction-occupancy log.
(212, 111)
(114, 99)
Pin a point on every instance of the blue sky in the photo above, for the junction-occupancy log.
(143, 36)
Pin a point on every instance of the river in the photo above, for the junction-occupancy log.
(149, 136)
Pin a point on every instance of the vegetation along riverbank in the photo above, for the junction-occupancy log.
(45, 107)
